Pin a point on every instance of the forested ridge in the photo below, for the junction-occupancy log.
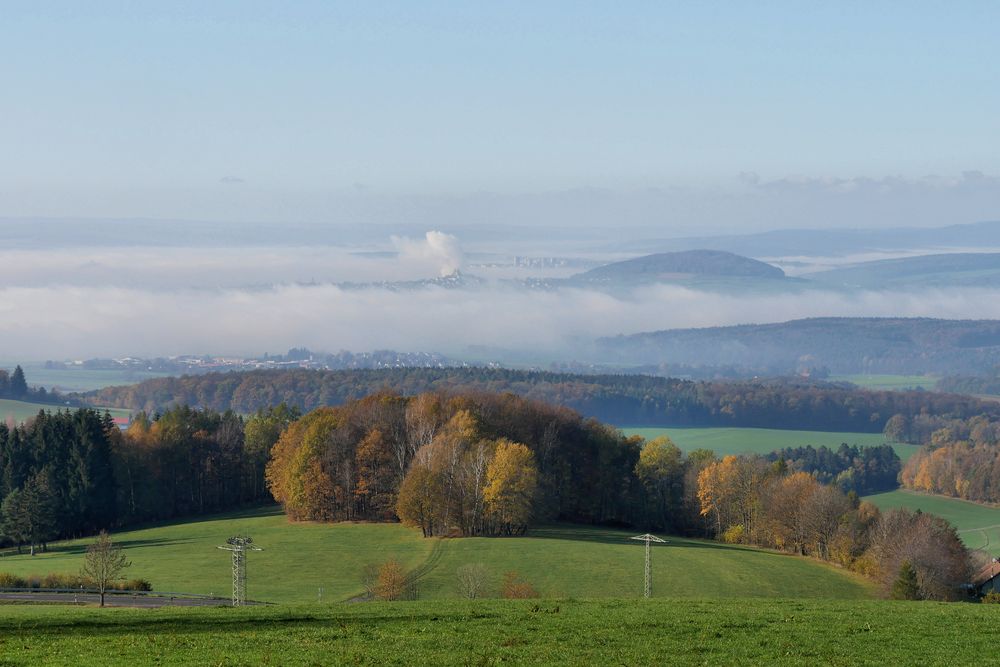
(618, 399)
(845, 345)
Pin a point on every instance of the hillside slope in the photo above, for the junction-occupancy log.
(300, 558)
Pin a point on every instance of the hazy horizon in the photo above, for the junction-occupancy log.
(185, 178)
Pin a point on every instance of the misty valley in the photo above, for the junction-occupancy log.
(443, 333)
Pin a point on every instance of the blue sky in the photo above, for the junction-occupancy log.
(235, 110)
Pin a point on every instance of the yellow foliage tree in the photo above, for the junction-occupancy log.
(511, 481)
(391, 583)
(661, 470)
(419, 500)
(295, 474)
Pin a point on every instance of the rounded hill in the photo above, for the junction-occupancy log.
(667, 266)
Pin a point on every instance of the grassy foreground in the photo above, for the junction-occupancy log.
(559, 561)
(725, 440)
(569, 632)
(978, 525)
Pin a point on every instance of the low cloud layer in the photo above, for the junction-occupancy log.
(87, 302)
(75, 322)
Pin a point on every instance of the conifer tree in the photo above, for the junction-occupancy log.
(18, 385)
(906, 586)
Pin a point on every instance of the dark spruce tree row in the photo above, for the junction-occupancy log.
(56, 477)
(67, 474)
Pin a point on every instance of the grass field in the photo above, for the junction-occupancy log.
(889, 382)
(564, 632)
(978, 525)
(72, 379)
(560, 561)
(762, 440)
(21, 410)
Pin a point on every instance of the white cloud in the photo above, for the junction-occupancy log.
(436, 248)
(47, 322)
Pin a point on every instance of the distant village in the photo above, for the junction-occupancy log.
(294, 358)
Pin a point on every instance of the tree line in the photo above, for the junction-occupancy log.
(961, 459)
(752, 501)
(617, 399)
(72, 473)
(863, 470)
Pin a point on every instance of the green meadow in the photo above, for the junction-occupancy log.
(77, 379)
(22, 410)
(299, 559)
(490, 632)
(724, 441)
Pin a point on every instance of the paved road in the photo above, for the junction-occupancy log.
(147, 601)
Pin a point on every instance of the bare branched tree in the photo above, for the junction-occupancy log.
(104, 563)
(369, 579)
(473, 579)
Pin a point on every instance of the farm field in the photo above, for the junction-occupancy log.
(564, 632)
(69, 380)
(21, 410)
(978, 525)
(559, 561)
(724, 441)
(888, 382)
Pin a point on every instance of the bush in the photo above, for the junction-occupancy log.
(472, 580)
(8, 580)
(134, 585)
(733, 534)
(391, 584)
(992, 597)
(369, 579)
(515, 588)
(58, 580)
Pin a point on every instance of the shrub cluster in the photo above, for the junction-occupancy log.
(56, 580)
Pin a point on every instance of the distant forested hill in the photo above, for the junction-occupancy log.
(671, 265)
(960, 269)
(618, 399)
(839, 345)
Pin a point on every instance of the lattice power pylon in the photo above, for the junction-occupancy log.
(648, 539)
(240, 545)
